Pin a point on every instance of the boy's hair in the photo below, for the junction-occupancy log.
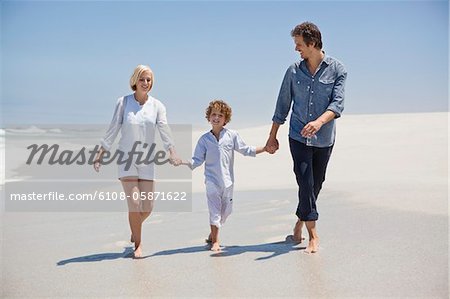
(310, 34)
(220, 106)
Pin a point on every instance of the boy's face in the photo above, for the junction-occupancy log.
(217, 118)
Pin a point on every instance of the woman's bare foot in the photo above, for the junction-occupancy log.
(215, 246)
(138, 252)
(313, 246)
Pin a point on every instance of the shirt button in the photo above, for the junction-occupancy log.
(313, 80)
(298, 82)
(310, 115)
(311, 104)
(312, 91)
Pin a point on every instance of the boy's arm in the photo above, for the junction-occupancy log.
(246, 150)
(198, 157)
(261, 149)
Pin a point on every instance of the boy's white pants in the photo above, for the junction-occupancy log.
(220, 203)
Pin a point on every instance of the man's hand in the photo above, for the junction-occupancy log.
(272, 145)
(311, 129)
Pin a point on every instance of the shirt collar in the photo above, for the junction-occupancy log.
(221, 132)
(326, 59)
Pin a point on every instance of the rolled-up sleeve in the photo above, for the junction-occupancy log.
(241, 147)
(337, 101)
(114, 127)
(284, 99)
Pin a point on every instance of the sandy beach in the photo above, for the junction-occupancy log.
(383, 225)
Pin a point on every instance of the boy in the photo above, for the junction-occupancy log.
(216, 148)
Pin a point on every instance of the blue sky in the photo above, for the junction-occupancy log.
(68, 62)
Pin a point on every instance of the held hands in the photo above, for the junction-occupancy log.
(311, 129)
(174, 160)
(272, 145)
(173, 157)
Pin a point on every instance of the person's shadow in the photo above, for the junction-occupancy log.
(127, 253)
(275, 249)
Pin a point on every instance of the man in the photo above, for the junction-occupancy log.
(315, 87)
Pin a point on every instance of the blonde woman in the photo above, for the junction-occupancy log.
(137, 116)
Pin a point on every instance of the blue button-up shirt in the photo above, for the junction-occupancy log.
(312, 95)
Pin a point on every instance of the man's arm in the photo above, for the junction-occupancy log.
(334, 109)
(272, 144)
(282, 108)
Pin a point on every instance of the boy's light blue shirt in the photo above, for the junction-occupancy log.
(219, 156)
(312, 95)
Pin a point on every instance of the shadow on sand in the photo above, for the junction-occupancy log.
(275, 249)
(127, 253)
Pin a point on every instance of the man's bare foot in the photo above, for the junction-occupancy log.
(138, 253)
(215, 246)
(313, 246)
(292, 239)
(298, 231)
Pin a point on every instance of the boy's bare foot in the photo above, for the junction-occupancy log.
(313, 246)
(215, 246)
(138, 253)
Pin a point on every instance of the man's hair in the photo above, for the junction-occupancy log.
(220, 106)
(310, 33)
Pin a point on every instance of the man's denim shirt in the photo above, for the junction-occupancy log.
(312, 95)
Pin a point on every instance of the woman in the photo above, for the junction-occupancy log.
(137, 116)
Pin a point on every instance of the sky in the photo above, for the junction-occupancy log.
(68, 62)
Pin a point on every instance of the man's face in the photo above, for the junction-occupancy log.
(301, 47)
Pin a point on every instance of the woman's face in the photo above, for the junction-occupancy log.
(145, 82)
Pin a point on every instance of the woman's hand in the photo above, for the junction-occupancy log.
(98, 159)
(173, 157)
(97, 165)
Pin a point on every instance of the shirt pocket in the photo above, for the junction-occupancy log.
(326, 84)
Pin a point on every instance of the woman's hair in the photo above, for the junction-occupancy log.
(220, 106)
(310, 34)
(137, 74)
